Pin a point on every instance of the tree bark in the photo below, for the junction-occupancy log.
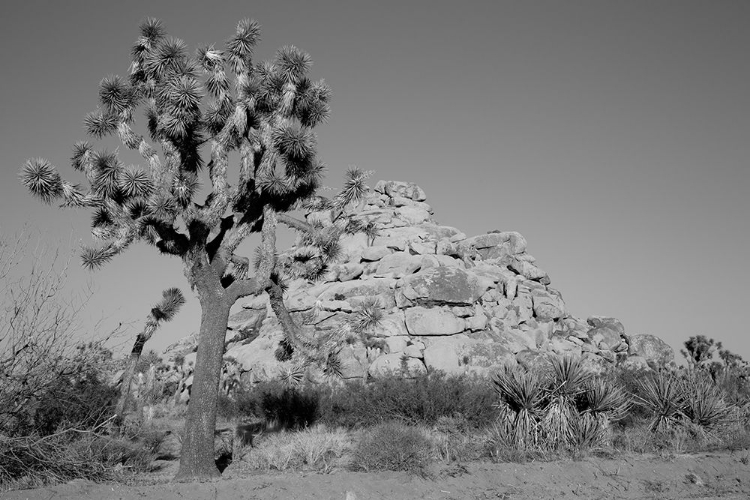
(197, 457)
(127, 377)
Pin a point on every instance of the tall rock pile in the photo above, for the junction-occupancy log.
(450, 302)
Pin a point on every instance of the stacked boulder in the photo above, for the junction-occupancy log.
(450, 302)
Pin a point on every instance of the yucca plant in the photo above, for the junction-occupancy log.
(704, 403)
(202, 110)
(662, 396)
(369, 315)
(522, 393)
(603, 399)
(567, 383)
(170, 303)
(586, 432)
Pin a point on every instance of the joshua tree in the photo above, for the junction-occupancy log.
(700, 349)
(200, 109)
(165, 310)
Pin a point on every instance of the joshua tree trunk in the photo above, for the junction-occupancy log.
(197, 460)
(127, 377)
(165, 310)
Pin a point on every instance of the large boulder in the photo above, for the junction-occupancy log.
(651, 348)
(432, 321)
(606, 332)
(401, 189)
(445, 285)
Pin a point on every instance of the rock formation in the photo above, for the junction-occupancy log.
(448, 302)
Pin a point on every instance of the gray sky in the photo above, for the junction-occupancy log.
(615, 136)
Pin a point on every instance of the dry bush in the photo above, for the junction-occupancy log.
(316, 448)
(392, 446)
(34, 461)
(39, 331)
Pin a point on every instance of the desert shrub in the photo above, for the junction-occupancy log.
(315, 448)
(35, 461)
(455, 440)
(423, 400)
(392, 446)
(287, 407)
(83, 402)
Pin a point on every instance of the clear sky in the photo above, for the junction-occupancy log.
(615, 136)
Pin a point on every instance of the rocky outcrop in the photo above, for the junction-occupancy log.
(449, 302)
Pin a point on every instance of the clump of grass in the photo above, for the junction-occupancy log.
(316, 448)
(392, 446)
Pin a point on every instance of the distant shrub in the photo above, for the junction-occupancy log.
(274, 402)
(392, 446)
(424, 400)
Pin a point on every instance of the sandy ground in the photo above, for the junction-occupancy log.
(704, 476)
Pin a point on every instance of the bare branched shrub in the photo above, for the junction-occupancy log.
(39, 323)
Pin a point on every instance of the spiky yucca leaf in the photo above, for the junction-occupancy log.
(209, 58)
(162, 207)
(135, 182)
(273, 185)
(94, 258)
(174, 127)
(41, 179)
(292, 63)
(184, 186)
(334, 368)
(136, 208)
(152, 30)
(603, 397)
(183, 94)
(520, 389)
(108, 174)
(240, 46)
(100, 124)
(704, 403)
(101, 218)
(115, 95)
(81, 150)
(568, 377)
(217, 83)
(294, 143)
(167, 57)
(293, 376)
(368, 316)
(316, 204)
(171, 302)
(354, 187)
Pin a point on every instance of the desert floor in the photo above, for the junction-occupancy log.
(708, 475)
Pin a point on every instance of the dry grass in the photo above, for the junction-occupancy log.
(315, 448)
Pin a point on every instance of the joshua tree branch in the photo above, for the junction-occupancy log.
(297, 224)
